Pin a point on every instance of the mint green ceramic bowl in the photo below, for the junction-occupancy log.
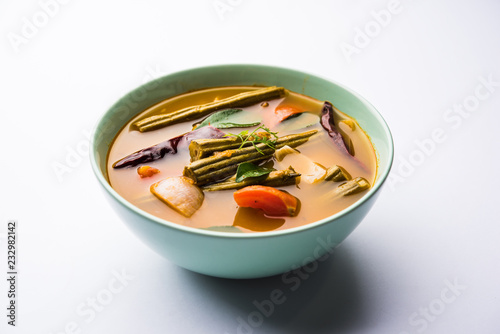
(241, 255)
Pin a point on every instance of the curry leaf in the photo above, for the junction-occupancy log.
(248, 169)
(221, 120)
(227, 125)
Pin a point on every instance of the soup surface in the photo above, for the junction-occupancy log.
(317, 199)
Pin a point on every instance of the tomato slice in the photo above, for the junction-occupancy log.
(282, 112)
(272, 201)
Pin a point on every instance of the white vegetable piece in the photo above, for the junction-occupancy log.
(179, 193)
(311, 172)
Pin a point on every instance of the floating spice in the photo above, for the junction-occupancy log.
(169, 146)
(147, 171)
(328, 123)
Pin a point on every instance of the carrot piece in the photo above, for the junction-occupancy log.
(272, 201)
(147, 171)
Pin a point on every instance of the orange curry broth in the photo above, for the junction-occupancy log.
(219, 207)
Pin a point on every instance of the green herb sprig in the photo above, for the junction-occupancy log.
(255, 139)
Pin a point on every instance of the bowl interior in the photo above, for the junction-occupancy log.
(174, 84)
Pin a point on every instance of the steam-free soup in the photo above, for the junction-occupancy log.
(190, 194)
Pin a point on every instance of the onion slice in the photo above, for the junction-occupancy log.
(179, 193)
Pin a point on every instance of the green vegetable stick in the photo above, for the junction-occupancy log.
(190, 113)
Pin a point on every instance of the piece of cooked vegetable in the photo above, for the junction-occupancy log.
(282, 152)
(328, 123)
(222, 120)
(272, 201)
(202, 148)
(337, 174)
(194, 112)
(147, 171)
(351, 187)
(224, 164)
(277, 178)
(312, 172)
(179, 193)
(169, 146)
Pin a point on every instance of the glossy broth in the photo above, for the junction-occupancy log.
(219, 207)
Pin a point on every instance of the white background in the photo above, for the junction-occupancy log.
(426, 258)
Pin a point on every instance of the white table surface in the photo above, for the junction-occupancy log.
(425, 259)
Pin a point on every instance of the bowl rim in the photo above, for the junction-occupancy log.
(381, 175)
